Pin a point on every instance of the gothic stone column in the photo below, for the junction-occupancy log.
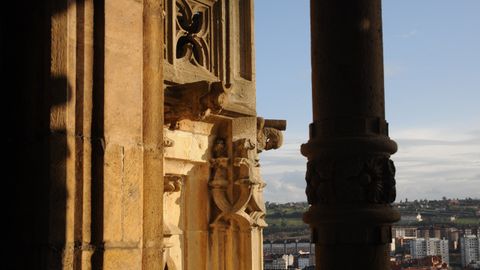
(350, 177)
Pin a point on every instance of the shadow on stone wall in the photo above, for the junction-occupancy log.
(25, 61)
(98, 97)
(37, 153)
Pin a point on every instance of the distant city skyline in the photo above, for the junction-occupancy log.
(432, 91)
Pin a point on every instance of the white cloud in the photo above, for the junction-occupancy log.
(284, 172)
(285, 187)
(392, 70)
(409, 34)
(431, 163)
(283, 160)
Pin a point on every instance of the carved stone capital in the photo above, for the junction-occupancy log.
(194, 101)
(366, 179)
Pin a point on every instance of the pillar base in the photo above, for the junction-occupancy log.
(351, 224)
(351, 236)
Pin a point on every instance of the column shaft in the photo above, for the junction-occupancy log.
(347, 59)
(350, 178)
(153, 99)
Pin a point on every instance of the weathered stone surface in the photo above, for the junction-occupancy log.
(188, 146)
(122, 258)
(144, 160)
(132, 194)
(113, 176)
(123, 71)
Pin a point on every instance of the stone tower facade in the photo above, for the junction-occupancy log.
(138, 122)
(213, 206)
(135, 140)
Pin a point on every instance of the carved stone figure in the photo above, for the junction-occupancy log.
(219, 149)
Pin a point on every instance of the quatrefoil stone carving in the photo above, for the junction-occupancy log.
(193, 34)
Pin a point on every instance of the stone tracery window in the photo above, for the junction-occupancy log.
(193, 33)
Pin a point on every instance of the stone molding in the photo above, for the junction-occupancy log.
(349, 126)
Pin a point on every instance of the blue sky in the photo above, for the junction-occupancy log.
(432, 82)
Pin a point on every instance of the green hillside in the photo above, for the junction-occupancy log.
(285, 221)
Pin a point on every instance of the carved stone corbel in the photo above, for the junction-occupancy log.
(194, 101)
(172, 183)
(269, 133)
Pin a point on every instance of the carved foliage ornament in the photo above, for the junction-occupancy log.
(246, 207)
(354, 180)
(192, 33)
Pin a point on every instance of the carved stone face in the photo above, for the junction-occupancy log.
(219, 144)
